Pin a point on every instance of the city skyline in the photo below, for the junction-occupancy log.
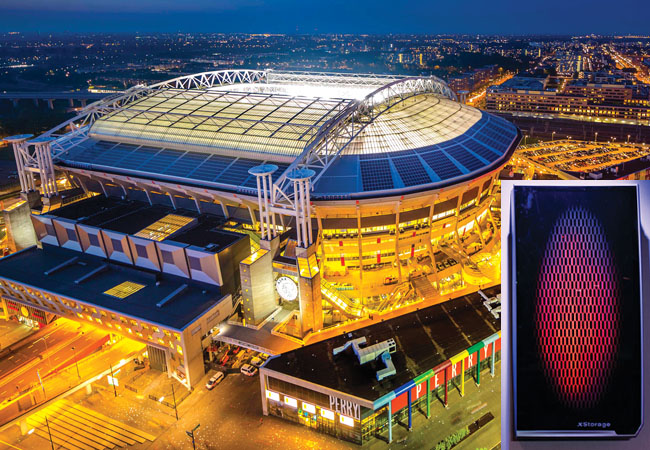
(290, 16)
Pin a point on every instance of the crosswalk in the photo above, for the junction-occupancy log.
(75, 427)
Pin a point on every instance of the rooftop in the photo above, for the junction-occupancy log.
(425, 339)
(157, 222)
(408, 134)
(521, 83)
(29, 268)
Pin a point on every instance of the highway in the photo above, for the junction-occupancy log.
(45, 353)
(33, 375)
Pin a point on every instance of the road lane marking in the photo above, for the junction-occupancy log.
(12, 446)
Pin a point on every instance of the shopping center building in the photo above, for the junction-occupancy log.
(359, 385)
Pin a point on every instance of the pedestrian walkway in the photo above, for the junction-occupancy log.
(75, 427)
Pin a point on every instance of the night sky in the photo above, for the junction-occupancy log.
(572, 17)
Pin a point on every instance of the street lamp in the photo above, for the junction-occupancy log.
(628, 138)
(49, 433)
(113, 380)
(76, 363)
(49, 358)
(596, 137)
(553, 135)
(174, 397)
(191, 434)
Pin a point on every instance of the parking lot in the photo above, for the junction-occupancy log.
(229, 358)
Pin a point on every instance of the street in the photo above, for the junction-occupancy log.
(232, 412)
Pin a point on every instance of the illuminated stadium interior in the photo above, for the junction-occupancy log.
(367, 192)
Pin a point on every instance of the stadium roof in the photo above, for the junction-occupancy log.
(364, 135)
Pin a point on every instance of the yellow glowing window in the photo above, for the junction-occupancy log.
(164, 227)
(125, 289)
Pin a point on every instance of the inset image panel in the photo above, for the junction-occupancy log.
(576, 311)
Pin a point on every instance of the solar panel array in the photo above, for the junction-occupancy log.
(170, 162)
(411, 171)
(487, 141)
(483, 144)
(376, 175)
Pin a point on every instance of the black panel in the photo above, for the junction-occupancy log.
(576, 311)
(441, 165)
(375, 175)
(411, 171)
(464, 157)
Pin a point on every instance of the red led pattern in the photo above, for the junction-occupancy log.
(577, 312)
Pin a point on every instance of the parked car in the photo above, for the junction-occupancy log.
(257, 362)
(214, 380)
(248, 370)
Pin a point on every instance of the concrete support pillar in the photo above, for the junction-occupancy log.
(265, 401)
(50, 103)
(494, 346)
(390, 422)
(462, 377)
(428, 398)
(89, 389)
(478, 367)
(71, 103)
(397, 234)
(36, 101)
(446, 389)
(14, 101)
(410, 406)
(83, 102)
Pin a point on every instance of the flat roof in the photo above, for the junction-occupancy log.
(131, 216)
(28, 268)
(424, 338)
(207, 234)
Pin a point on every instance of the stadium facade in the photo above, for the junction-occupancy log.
(358, 194)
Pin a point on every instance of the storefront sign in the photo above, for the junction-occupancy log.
(345, 407)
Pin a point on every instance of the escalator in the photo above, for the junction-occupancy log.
(341, 302)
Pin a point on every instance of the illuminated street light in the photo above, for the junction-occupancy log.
(76, 363)
(191, 434)
(49, 433)
(113, 379)
(49, 358)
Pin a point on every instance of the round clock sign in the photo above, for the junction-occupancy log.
(287, 288)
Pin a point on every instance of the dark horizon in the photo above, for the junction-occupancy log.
(504, 17)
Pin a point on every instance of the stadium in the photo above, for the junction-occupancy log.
(358, 194)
